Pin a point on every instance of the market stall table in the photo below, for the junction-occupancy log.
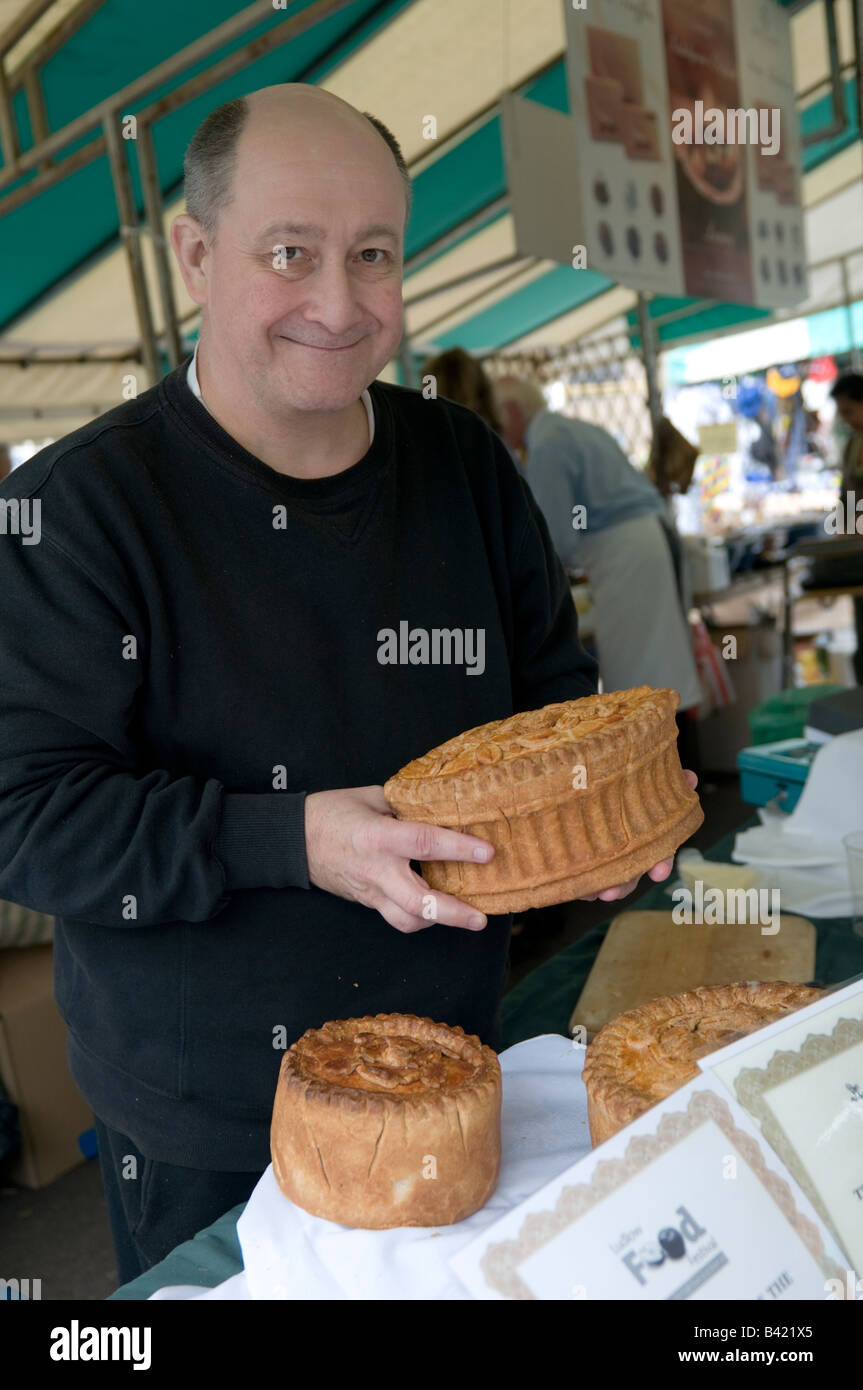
(542, 1003)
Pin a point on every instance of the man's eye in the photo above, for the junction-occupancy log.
(282, 254)
(373, 251)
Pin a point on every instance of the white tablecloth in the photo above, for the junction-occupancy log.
(288, 1254)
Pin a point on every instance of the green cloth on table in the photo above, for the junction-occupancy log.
(210, 1258)
(542, 1003)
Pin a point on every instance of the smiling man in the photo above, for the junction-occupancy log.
(195, 719)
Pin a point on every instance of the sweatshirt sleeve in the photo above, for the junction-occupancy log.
(550, 664)
(88, 830)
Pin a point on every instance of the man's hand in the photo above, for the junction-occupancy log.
(358, 850)
(658, 873)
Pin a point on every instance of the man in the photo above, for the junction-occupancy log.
(607, 517)
(848, 394)
(198, 713)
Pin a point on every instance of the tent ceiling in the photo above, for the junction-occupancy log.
(79, 295)
(460, 58)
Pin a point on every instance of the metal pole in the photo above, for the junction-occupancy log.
(130, 233)
(649, 357)
(53, 41)
(787, 627)
(36, 108)
(167, 71)
(409, 376)
(443, 243)
(849, 316)
(837, 86)
(467, 278)
(8, 128)
(53, 174)
(464, 304)
(857, 27)
(23, 21)
(148, 166)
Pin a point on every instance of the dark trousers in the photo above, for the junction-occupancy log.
(153, 1207)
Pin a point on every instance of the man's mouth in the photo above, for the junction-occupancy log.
(314, 347)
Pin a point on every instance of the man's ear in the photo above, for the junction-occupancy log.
(190, 247)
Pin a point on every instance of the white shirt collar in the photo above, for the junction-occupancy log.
(192, 380)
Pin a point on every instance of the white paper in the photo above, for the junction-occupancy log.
(687, 1202)
(801, 1080)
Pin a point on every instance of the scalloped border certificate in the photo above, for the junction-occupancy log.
(686, 1202)
(801, 1080)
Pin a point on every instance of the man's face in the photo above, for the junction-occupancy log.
(304, 279)
(851, 412)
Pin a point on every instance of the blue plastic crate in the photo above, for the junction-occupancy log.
(771, 770)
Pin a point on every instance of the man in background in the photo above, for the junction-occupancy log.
(848, 395)
(605, 516)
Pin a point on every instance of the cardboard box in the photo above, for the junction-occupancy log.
(33, 1068)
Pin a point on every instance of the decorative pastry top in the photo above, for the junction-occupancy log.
(537, 730)
(655, 1049)
(396, 1054)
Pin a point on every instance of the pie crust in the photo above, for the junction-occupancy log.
(575, 797)
(387, 1121)
(645, 1054)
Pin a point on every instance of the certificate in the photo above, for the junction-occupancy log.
(801, 1080)
(688, 1202)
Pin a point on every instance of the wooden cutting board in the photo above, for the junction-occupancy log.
(646, 954)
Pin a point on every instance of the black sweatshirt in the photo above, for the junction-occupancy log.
(193, 646)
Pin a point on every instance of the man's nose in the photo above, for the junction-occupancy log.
(332, 298)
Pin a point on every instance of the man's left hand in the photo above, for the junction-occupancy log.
(658, 873)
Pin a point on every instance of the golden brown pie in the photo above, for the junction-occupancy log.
(575, 797)
(644, 1055)
(387, 1121)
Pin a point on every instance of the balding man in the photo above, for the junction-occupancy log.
(220, 651)
(606, 517)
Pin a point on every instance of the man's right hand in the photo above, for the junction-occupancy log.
(358, 850)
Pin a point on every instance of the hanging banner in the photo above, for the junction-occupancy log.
(688, 149)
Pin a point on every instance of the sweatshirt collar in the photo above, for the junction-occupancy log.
(194, 419)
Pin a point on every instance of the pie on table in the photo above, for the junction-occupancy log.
(387, 1121)
(575, 797)
(645, 1054)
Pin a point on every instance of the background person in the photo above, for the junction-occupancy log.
(462, 378)
(848, 394)
(642, 631)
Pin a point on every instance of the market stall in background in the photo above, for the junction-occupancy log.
(650, 215)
